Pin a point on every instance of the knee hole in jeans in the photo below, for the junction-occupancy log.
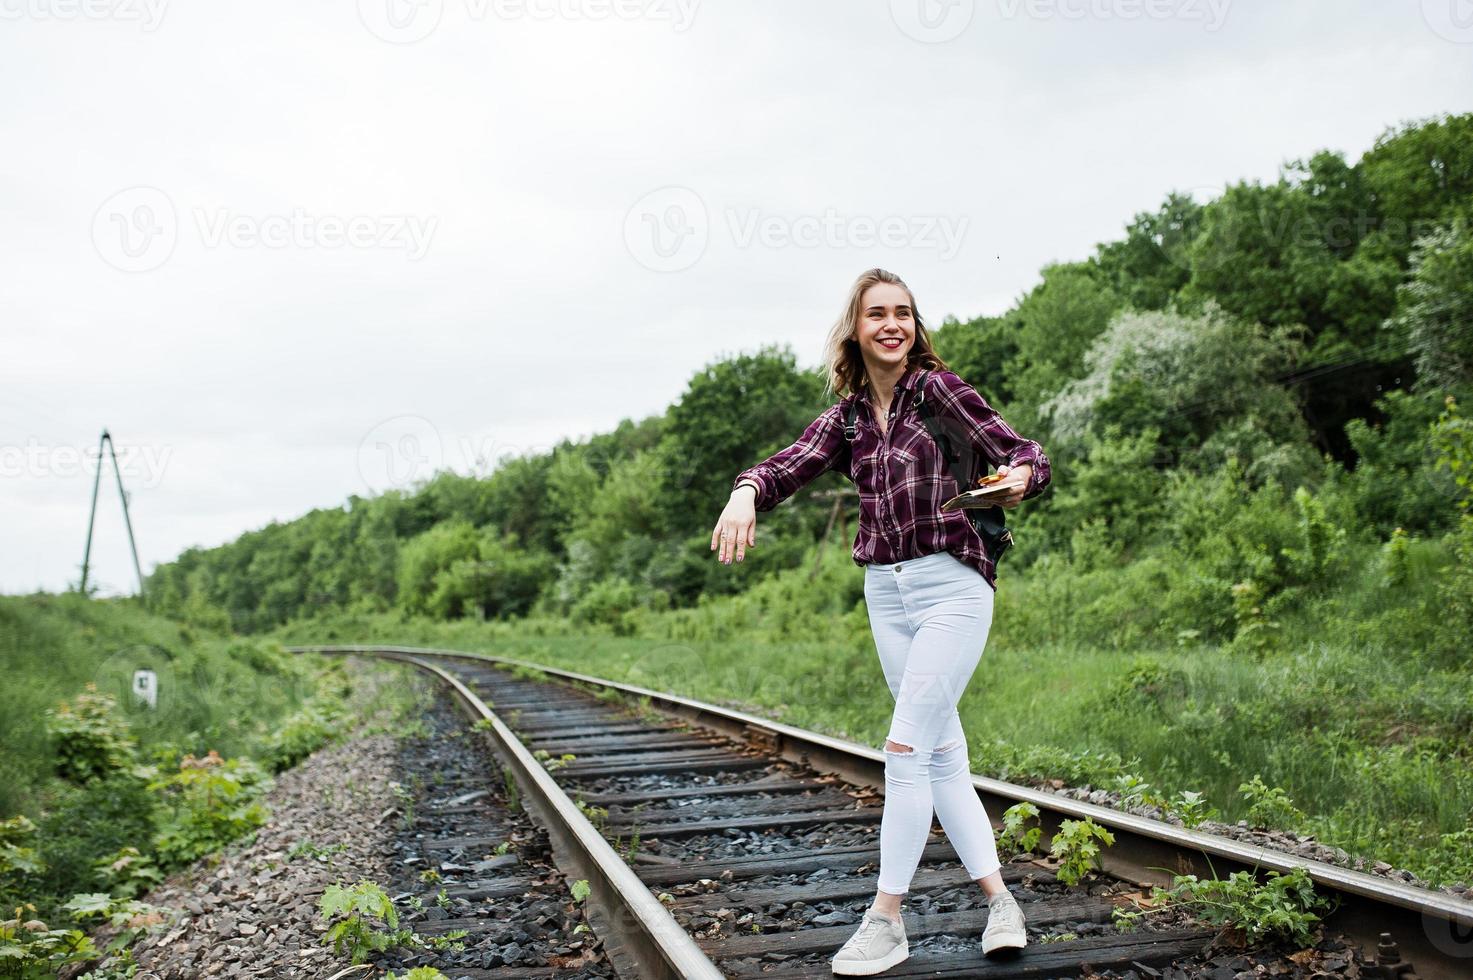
(953, 744)
(895, 748)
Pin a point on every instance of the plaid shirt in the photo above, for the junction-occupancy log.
(901, 477)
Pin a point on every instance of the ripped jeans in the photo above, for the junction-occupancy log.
(930, 617)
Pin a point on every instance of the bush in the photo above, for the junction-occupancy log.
(364, 921)
(90, 736)
(211, 802)
(80, 825)
(18, 857)
(1395, 481)
(304, 732)
(606, 603)
(455, 569)
(1077, 846)
(1283, 906)
(30, 950)
(1269, 806)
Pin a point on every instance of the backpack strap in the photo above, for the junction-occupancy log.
(942, 440)
(850, 415)
(991, 522)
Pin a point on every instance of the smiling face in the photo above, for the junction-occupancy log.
(886, 330)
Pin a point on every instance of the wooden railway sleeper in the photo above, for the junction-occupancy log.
(764, 739)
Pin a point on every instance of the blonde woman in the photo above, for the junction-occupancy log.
(928, 585)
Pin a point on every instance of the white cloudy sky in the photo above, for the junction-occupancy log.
(292, 250)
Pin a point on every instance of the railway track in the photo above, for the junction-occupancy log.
(717, 843)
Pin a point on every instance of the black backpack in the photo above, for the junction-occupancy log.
(989, 522)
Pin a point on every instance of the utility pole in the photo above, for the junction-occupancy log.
(839, 496)
(107, 442)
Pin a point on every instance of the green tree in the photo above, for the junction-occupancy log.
(1151, 264)
(1203, 383)
(426, 558)
(1420, 175)
(734, 413)
(1057, 322)
(1435, 308)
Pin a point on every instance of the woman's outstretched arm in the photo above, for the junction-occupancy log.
(787, 471)
(775, 479)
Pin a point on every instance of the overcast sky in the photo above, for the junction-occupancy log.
(293, 250)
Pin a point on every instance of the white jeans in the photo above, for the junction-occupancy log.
(930, 618)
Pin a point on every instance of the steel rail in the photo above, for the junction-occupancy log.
(1433, 930)
(640, 935)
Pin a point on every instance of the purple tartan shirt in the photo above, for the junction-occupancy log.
(901, 477)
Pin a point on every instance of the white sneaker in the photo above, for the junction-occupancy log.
(1004, 926)
(877, 945)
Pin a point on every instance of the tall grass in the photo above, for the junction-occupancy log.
(215, 691)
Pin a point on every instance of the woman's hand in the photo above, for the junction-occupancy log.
(737, 527)
(1017, 478)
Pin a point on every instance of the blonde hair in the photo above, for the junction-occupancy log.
(846, 371)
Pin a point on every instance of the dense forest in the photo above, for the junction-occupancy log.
(1226, 391)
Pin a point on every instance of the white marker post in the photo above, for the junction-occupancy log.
(146, 687)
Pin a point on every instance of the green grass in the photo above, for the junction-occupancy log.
(1353, 712)
(215, 692)
(246, 699)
